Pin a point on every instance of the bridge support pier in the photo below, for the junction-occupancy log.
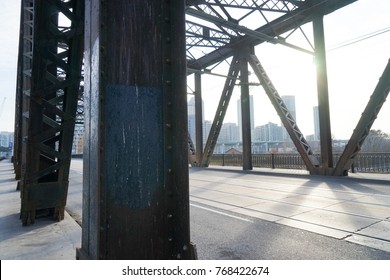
(135, 196)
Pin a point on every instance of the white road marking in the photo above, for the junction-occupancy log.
(221, 213)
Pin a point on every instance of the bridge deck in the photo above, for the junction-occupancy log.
(353, 211)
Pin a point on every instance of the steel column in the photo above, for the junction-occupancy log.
(323, 96)
(198, 117)
(49, 107)
(24, 63)
(136, 197)
(245, 113)
(365, 123)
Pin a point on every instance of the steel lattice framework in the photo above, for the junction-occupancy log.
(49, 101)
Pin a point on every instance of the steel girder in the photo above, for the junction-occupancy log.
(221, 110)
(49, 106)
(23, 82)
(293, 14)
(285, 116)
(363, 127)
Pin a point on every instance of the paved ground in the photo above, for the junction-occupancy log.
(353, 209)
(329, 215)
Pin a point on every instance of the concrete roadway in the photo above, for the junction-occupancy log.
(236, 215)
(253, 215)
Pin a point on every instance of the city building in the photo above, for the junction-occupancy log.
(289, 101)
(229, 133)
(78, 140)
(6, 144)
(191, 119)
(316, 123)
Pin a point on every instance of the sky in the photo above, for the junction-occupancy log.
(353, 70)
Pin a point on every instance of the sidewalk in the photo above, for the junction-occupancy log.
(44, 240)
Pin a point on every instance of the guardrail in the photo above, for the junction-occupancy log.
(364, 162)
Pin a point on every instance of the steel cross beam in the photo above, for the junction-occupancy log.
(290, 20)
(363, 127)
(49, 105)
(242, 29)
(221, 110)
(285, 116)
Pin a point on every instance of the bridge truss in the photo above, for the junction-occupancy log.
(50, 87)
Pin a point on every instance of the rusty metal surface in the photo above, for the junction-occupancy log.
(136, 202)
(49, 105)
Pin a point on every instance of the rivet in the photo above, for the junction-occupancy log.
(168, 125)
(168, 40)
(168, 60)
(185, 248)
(169, 170)
(170, 239)
(168, 82)
(169, 216)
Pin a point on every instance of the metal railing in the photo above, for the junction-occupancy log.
(364, 162)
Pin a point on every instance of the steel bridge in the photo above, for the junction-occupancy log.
(120, 67)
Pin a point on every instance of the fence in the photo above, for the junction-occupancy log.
(364, 162)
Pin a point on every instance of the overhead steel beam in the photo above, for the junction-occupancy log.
(136, 189)
(277, 27)
(242, 29)
(365, 123)
(287, 119)
(221, 110)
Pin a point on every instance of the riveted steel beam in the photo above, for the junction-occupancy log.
(245, 113)
(287, 119)
(289, 21)
(23, 80)
(49, 106)
(136, 190)
(198, 117)
(365, 123)
(221, 110)
(323, 96)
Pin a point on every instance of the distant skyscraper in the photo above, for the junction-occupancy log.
(239, 115)
(191, 118)
(229, 133)
(316, 123)
(289, 101)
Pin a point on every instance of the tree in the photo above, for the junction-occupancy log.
(376, 141)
